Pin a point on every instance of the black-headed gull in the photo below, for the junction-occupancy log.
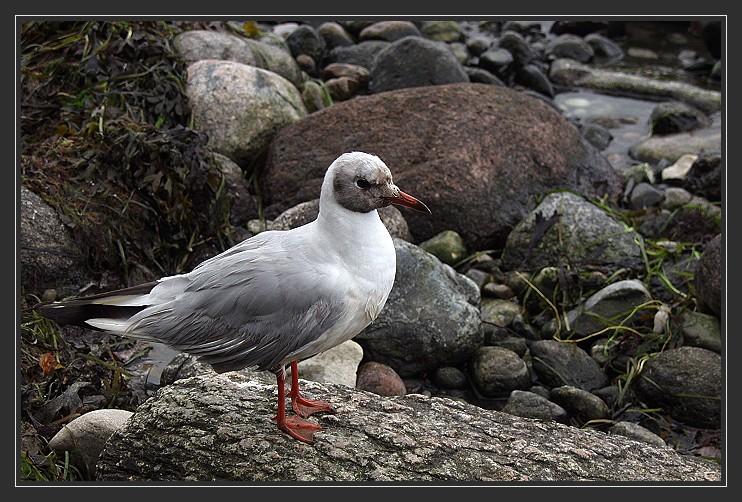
(276, 298)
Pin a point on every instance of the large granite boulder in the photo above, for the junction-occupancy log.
(477, 155)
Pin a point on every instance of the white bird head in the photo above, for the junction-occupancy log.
(361, 183)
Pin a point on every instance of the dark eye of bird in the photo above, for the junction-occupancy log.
(361, 183)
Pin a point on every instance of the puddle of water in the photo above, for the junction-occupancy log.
(151, 366)
(626, 119)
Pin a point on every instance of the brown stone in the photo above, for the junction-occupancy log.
(380, 379)
(352, 71)
(477, 155)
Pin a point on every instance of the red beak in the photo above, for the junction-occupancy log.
(408, 200)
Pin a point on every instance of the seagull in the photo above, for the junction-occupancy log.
(276, 298)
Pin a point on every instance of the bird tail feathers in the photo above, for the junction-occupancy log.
(106, 311)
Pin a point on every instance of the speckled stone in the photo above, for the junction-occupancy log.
(219, 427)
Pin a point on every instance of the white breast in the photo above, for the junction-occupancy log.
(368, 267)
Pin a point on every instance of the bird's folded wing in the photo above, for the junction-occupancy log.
(250, 306)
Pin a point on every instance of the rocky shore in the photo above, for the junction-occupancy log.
(562, 303)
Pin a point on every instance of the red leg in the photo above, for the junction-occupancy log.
(295, 427)
(304, 407)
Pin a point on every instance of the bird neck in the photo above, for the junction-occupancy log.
(351, 225)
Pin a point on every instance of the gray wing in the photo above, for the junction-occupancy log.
(250, 306)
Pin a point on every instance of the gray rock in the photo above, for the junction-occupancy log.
(680, 169)
(642, 53)
(85, 436)
(389, 31)
(573, 73)
(306, 40)
(540, 390)
(597, 135)
(273, 39)
(501, 291)
(496, 60)
(240, 107)
(414, 62)
(701, 330)
(447, 246)
(708, 276)
(497, 371)
(499, 312)
(581, 234)
(604, 48)
(430, 319)
(604, 350)
(338, 365)
(306, 212)
(523, 27)
(315, 96)
(226, 419)
(560, 363)
(338, 70)
(479, 277)
(517, 46)
(570, 46)
(608, 306)
(362, 54)
(449, 377)
(676, 197)
(198, 45)
(636, 431)
(673, 146)
(513, 343)
(460, 51)
(673, 117)
(354, 27)
(243, 206)
(645, 195)
(686, 383)
(49, 255)
(529, 405)
(580, 403)
(185, 366)
(532, 77)
(283, 30)
(478, 45)
(334, 35)
(380, 379)
(609, 394)
(481, 76)
(442, 31)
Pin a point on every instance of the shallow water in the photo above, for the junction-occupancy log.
(627, 116)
